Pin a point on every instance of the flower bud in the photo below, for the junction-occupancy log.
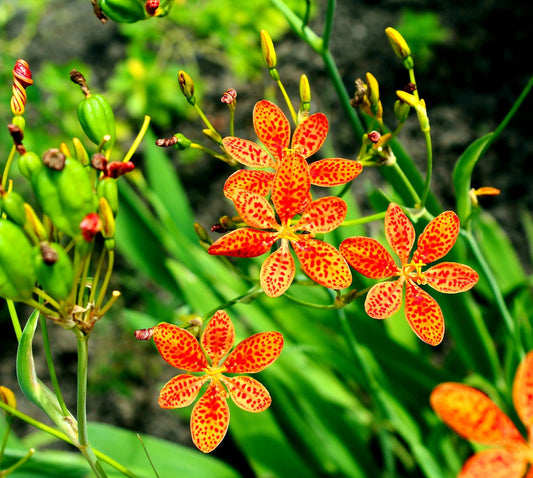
(267, 48)
(187, 86)
(107, 218)
(13, 206)
(33, 223)
(372, 90)
(305, 94)
(21, 80)
(8, 397)
(80, 152)
(212, 135)
(401, 111)
(398, 44)
(229, 97)
(374, 136)
(144, 334)
(90, 226)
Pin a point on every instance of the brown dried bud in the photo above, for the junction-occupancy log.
(116, 169)
(219, 228)
(144, 334)
(48, 253)
(79, 79)
(164, 142)
(410, 87)
(99, 161)
(359, 94)
(54, 159)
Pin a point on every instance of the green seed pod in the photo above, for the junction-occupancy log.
(17, 272)
(123, 11)
(54, 270)
(97, 119)
(28, 163)
(13, 206)
(65, 196)
(107, 188)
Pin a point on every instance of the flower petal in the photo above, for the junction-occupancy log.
(334, 171)
(384, 299)
(473, 415)
(247, 393)
(210, 418)
(450, 277)
(523, 391)
(423, 314)
(277, 272)
(323, 263)
(310, 134)
(290, 190)
(247, 152)
(368, 257)
(179, 348)
(181, 390)
(255, 353)
(218, 337)
(272, 127)
(499, 463)
(323, 215)
(259, 182)
(255, 210)
(399, 231)
(438, 238)
(243, 243)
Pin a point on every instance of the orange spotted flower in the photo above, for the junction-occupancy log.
(474, 416)
(290, 196)
(368, 257)
(274, 131)
(210, 416)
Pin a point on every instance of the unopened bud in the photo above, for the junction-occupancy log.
(115, 169)
(144, 334)
(80, 152)
(305, 94)
(229, 97)
(483, 191)
(267, 48)
(107, 218)
(34, 224)
(22, 78)
(372, 90)
(201, 233)
(398, 43)
(212, 135)
(8, 397)
(401, 111)
(151, 7)
(374, 136)
(187, 86)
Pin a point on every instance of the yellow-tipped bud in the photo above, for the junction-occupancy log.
(8, 397)
(187, 86)
(34, 224)
(202, 233)
(407, 98)
(484, 191)
(212, 135)
(372, 91)
(64, 149)
(267, 48)
(305, 94)
(80, 152)
(398, 43)
(107, 218)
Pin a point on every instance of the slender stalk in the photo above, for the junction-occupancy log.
(294, 116)
(96, 277)
(204, 118)
(18, 464)
(247, 297)
(7, 431)
(14, 318)
(51, 368)
(46, 297)
(107, 278)
(61, 436)
(42, 308)
(326, 35)
(364, 220)
(138, 139)
(7, 167)
(429, 170)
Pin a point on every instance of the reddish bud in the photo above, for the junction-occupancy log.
(144, 334)
(99, 161)
(410, 87)
(21, 80)
(374, 136)
(151, 7)
(229, 96)
(90, 226)
(218, 228)
(118, 168)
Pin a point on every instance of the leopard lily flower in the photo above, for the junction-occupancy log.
(368, 257)
(474, 416)
(274, 132)
(290, 195)
(210, 415)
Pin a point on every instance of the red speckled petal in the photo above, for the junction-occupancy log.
(310, 135)
(438, 238)
(368, 257)
(277, 272)
(248, 153)
(218, 337)
(210, 418)
(181, 391)
(179, 348)
(323, 263)
(255, 210)
(255, 353)
(334, 171)
(384, 299)
(247, 393)
(450, 277)
(259, 182)
(243, 243)
(499, 463)
(423, 314)
(323, 215)
(399, 231)
(473, 415)
(290, 191)
(272, 128)
(523, 390)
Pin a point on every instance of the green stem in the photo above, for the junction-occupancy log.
(429, 170)
(204, 118)
(42, 308)
(364, 220)
(51, 368)
(326, 35)
(294, 116)
(7, 167)
(398, 170)
(46, 297)
(246, 298)
(7, 431)
(14, 318)
(107, 278)
(496, 292)
(138, 139)
(18, 464)
(61, 436)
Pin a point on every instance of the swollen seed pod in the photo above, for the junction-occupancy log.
(28, 163)
(13, 206)
(97, 120)
(54, 269)
(107, 189)
(123, 11)
(17, 272)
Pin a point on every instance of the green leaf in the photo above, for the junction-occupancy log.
(48, 464)
(169, 458)
(462, 174)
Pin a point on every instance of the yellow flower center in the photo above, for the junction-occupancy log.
(413, 271)
(287, 232)
(215, 373)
